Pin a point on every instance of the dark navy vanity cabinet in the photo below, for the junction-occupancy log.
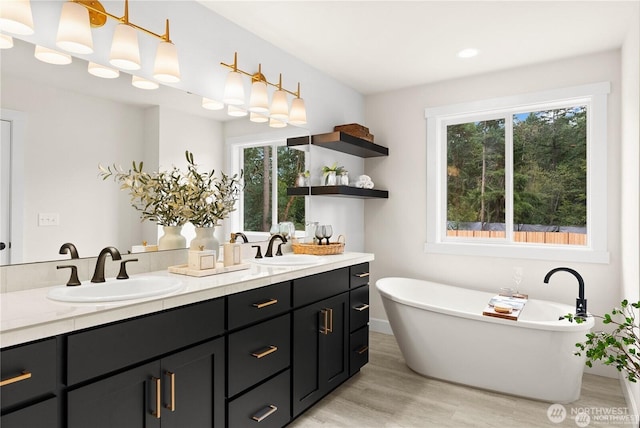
(259, 356)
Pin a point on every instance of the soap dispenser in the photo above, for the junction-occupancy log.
(232, 252)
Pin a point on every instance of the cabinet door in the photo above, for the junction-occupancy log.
(320, 355)
(129, 399)
(41, 415)
(193, 387)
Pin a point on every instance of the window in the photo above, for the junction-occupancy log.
(522, 176)
(269, 168)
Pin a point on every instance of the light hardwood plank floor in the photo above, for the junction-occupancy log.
(386, 393)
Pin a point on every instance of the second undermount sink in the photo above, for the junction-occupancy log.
(114, 290)
(290, 260)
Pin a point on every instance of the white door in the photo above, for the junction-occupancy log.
(5, 192)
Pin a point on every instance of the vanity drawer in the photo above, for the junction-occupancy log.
(254, 305)
(358, 275)
(101, 350)
(359, 350)
(28, 371)
(359, 316)
(258, 352)
(267, 404)
(320, 286)
(43, 414)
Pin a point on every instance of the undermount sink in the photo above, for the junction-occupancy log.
(290, 260)
(116, 289)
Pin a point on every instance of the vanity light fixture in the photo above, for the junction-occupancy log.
(142, 83)
(6, 41)
(51, 56)
(210, 104)
(99, 70)
(259, 99)
(74, 35)
(236, 111)
(258, 117)
(16, 17)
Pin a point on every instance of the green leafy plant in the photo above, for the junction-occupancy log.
(619, 348)
(159, 196)
(333, 168)
(209, 199)
(172, 198)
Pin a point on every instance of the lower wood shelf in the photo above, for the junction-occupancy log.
(348, 191)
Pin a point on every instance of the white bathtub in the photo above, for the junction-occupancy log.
(442, 334)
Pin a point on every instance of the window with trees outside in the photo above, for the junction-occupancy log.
(268, 170)
(520, 176)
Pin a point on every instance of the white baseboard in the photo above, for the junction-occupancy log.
(380, 326)
(629, 396)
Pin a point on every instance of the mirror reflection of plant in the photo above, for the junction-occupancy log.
(159, 196)
(621, 347)
(208, 198)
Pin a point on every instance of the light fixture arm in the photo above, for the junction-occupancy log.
(97, 11)
(278, 85)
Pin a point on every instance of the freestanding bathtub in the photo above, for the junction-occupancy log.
(442, 334)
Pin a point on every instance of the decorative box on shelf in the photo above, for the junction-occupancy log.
(355, 130)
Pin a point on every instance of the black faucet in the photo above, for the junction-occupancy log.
(98, 274)
(581, 302)
(68, 247)
(269, 252)
(240, 235)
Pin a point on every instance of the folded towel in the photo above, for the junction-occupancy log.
(368, 185)
(364, 178)
(360, 184)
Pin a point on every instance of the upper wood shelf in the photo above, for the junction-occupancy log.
(342, 142)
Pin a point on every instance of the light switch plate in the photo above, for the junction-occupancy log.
(48, 219)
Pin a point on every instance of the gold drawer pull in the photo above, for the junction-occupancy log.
(264, 304)
(362, 350)
(361, 275)
(327, 314)
(24, 376)
(172, 378)
(361, 308)
(158, 397)
(270, 350)
(264, 413)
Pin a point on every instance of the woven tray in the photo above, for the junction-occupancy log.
(319, 250)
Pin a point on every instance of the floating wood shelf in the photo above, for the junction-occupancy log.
(341, 142)
(348, 191)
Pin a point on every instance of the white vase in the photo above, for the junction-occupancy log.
(172, 239)
(330, 179)
(205, 239)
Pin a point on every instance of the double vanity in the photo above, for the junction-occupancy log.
(257, 346)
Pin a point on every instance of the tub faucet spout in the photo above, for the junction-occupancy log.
(581, 302)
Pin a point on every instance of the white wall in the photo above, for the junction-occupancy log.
(630, 185)
(396, 229)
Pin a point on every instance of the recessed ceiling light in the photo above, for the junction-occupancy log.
(468, 53)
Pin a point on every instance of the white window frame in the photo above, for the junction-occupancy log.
(236, 161)
(594, 96)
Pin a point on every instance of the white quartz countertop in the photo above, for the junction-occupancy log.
(29, 315)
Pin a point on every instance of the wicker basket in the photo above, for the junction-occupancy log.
(319, 250)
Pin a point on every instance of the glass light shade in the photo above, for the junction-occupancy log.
(210, 104)
(258, 117)
(125, 53)
(279, 106)
(236, 111)
(51, 56)
(298, 115)
(259, 99)
(166, 68)
(74, 29)
(102, 71)
(276, 123)
(234, 89)
(6, 42)
(16, 17)
(143, 83)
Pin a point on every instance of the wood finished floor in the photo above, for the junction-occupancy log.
(386, 393)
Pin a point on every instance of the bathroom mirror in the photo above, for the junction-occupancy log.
(76, 121)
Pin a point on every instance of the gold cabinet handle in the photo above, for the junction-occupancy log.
(264, 304)
(361, 275)
(361, 307)
(270, 350)
(325, 326)
(158, 397)
(23, 376)
(330, 329)
(362, 350)
(264, 413)
(172, 382)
